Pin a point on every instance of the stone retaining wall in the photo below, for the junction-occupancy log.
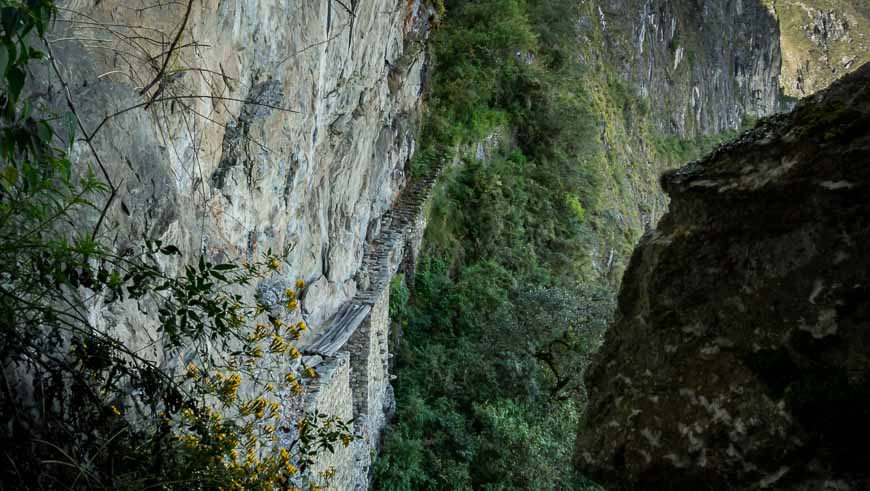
(359, 333)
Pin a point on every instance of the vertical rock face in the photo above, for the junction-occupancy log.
(660, 70)
(739, 357)
(703, 65)
(276, 123)
(271, 124)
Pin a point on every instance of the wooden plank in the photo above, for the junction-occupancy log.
(342, 325)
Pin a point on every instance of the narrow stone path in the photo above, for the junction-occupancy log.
(376, 271)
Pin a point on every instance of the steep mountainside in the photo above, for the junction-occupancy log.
(668, 79)
(563, 129)
(821, 41)
(238, 131)
(703, 66)
(224, 132)
(739, 355)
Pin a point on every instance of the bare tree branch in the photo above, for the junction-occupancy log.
(169, 53)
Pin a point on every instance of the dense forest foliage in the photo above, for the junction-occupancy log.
(506, 310)
(497, 327)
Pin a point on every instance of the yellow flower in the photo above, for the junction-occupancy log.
(256, 352)
(310, 372)
(274, 263)
(230, 389)
(292, 304)
(274, 406)
(260, 332)
(290, 469)
(290, 377)
(346, 439)
(300, 284)
(302, 326)
(116, 410)
(285, 455)
(190, 441)
(297, 388)
(269, 429)
(277, 323)
(251, 458)
(278, 345)
(290, 293)
(269, 388)
(294, 353)
(192, 371)
(256, 406)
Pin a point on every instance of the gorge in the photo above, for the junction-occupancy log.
(398, 229)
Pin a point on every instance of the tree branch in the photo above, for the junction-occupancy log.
(171, 49)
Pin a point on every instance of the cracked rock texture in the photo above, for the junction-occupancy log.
(703, 65)
(822, 40)
(277, 123)
(740, 356)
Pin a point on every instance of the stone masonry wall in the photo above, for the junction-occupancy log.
(359, 331)
(368, 348)
(332, 396)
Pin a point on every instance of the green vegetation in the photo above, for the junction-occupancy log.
(84, 408)
(505, 311)
(680, 150)
(507, 306)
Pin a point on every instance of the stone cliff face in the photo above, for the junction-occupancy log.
(739, 355)
(704, 66)
(688, 68)
(272, 124)
(306, 119)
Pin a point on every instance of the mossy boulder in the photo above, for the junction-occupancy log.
(740, 356)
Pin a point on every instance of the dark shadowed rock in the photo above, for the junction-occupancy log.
(740, 357)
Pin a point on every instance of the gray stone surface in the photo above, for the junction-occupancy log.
(309, 147)
(739, 357)
(277, 124)
(702, 65)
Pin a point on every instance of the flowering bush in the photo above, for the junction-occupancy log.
(83, 409)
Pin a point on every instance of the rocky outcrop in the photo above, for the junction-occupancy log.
(739, 358)
(821, 40)
(703, 66)
(233, 128)
(274, 124)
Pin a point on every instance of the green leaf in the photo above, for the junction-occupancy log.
(16, 82)
(10, 174)
(4, 61)
(70, 121)
(44, 131)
